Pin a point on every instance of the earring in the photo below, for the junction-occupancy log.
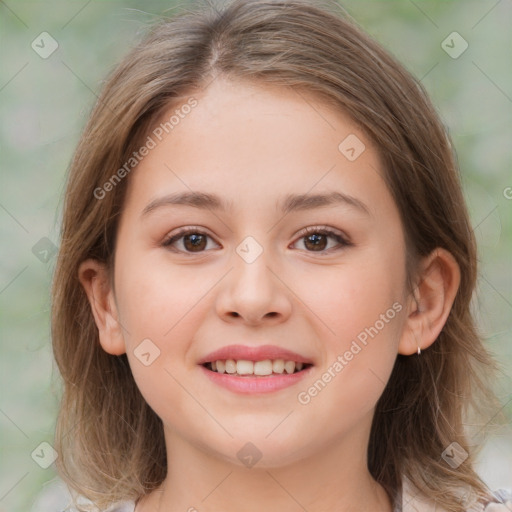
(419, 350)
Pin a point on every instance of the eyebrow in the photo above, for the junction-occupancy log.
(291, 202)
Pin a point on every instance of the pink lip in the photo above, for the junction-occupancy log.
(259, 353)
(251, 384)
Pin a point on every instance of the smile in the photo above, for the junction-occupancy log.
(245, 368)
(255, 377)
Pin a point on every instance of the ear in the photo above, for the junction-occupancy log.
(94, 278)
(431, 301)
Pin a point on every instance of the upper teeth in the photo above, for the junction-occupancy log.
(266, 367)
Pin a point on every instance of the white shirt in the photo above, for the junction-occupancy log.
(57, 498)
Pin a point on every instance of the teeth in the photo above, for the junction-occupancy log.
(289, 366)
(230, 366)
(263, 367)
(266, 367)
(278, 366)
(244, 367)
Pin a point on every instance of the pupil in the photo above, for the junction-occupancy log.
(316, 241)
(195, 240)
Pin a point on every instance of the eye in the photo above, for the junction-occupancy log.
(194, 240)
(316, 239)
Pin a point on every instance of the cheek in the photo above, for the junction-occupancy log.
(360, 306)
(157, 299)
(359, 361)
(348, 299)
(160, 308)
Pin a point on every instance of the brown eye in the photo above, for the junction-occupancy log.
(317, 239)
(191, 240)
(194, 242)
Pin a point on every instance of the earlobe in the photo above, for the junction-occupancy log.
(93, 276)
(430, 302)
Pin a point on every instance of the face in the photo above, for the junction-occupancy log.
(323, 280)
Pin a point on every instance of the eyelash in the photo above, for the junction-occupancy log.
(322, 230)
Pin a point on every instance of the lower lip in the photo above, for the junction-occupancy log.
(251, 385)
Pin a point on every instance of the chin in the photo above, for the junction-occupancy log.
(259, 451)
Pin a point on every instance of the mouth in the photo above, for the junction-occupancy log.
(264, 368)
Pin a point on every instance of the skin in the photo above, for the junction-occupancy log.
(251, 144)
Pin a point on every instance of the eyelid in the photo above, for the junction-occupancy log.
(323, 228)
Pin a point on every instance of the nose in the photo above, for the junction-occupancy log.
(254, 293)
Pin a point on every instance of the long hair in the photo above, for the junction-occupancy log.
(110, 442)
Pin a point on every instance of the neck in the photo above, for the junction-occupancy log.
(201, 481)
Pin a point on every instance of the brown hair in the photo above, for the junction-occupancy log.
(110, 442)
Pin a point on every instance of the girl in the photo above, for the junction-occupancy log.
(262, 295)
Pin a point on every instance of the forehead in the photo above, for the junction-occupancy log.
(248, 143)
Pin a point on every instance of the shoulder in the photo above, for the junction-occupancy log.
(412, 500)
(85, 505)
(124, 506)
(502, 503)
(56, 497)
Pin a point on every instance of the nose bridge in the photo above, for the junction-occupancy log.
(253, 276)
(252, 290)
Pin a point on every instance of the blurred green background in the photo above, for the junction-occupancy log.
(44, 103)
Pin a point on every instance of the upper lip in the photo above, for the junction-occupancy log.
(259, 353)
